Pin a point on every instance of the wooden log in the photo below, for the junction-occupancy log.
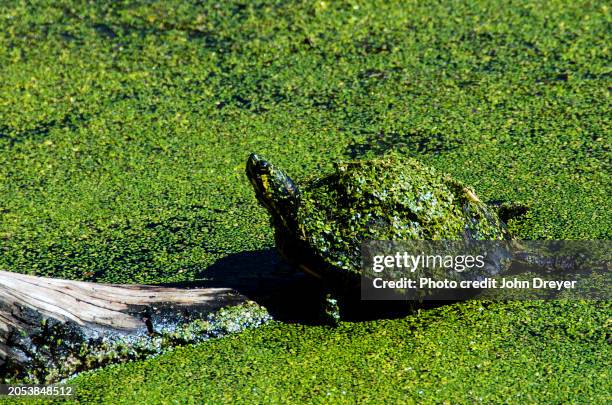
(77, 314)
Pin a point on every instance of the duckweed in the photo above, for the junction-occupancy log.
(124, 127)
(513, 352)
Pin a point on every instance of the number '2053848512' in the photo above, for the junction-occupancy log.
(36, 390)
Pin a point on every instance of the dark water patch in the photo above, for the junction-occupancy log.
(328, 101)
(207, 38)
(104, 31)
(378, 75)
(374, 43)
(413, 142)
(588, 75)
(210, 40)
(373, 73)
(68, 37)
(257, 95)
(72, 120)
(554, 78)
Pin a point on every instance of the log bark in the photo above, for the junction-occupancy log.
(30, 305)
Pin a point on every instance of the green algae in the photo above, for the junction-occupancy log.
(122, 154)
(512, 352)
(124, 128)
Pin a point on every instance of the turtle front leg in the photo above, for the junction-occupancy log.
(330, 310)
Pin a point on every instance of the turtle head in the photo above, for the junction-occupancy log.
(275, 190)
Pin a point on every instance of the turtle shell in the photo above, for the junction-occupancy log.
(390, 198)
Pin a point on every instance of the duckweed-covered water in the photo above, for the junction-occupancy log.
(124, 128)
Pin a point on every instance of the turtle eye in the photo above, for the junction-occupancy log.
(264, 167)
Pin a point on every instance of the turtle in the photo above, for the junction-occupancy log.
(320, 225)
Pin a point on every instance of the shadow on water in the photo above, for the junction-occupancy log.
(291, 295)
(261, 275)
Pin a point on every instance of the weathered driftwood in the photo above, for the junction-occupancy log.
(29, 304)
